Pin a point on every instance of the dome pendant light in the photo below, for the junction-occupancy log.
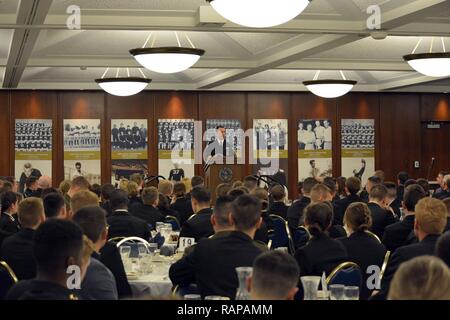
(123, 86)
(330, 88)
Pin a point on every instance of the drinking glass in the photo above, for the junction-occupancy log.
(152, 247)
(159, 225)
(310, 285)
(125, 252)
(243, 273)
(192, 297)
(351, 293)
(142, 249)
(336, 291)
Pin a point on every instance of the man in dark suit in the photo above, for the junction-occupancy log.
(219, 145)
(17, 250)
(352, 187)
(392, 202)
(295, 212)
(199, 226)
(398, 234)
(147, 210)
(445, 192)
(381, 217)
(278, 207)
(371, 182)
(8, 216)
(402, 177)
(122, 223)
(212, 265)
(430, 222)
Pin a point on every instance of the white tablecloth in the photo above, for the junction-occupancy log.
(155, 284)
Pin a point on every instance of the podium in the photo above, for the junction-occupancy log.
(217, 171)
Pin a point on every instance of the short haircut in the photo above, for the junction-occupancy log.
(431, 215)
(421, 278)
(119, 200)
(237, 183)
(97, 189)
(261, 194)
(53, 203)
(378, 192)
(319, 192)
(447, 204)
(236, 192)
(107, 190)
(92, 220)
(443, 248)
(275, 274)
(250, 182)
(179, 189)
(358, 216)
(55, 241)
(30, 181)
(391, 189)
(353, 185)
(330, 183)
(197, 181)
(222, 210)
(165, 187)
(48, 191)
(201, 194)
(133, 189)
(137, 178)
(308, 184)
(81, 183)
(374, 180)
(402, 177)
(380, 174)
(163, 201)
(30, 212)
(149, 195)
(246, 212)
(318, 217)
(412, 195)
(7, 199)
(222, 189)
(64, 186)
(410, 182)
(277, 192)
(424, 184)
(82, 199)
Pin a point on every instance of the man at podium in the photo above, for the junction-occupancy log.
(219, 148)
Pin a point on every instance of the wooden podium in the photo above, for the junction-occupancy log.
(217, 171)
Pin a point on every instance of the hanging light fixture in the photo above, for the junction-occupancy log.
(330, 88)
(123, 86)
(430, 64)
(259, 13)
(167, 59)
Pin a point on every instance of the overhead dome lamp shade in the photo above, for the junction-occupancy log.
(330, 88)
(259, 13)
(123, 87)
(430, 64)
(167, 59)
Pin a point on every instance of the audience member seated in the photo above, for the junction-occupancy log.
(147, 210)
(340, 185)
(443, 248)
(166, 188)
(381, 217)
(64, 186)
(44, 182)
(402, 177)
(278, 206)
(213, 262)
(222, 190)
(392, 202)
(82, 199)
(107, 190)
(133, 194)
(164, 207)
(440, 180)
(362, 248)
(97, 189)
(99, 282)
(445, 192)
(320, 193)
(425, 185)
(78, 184)
(17, 250)
(238, 191)
(371, 182)
(330, 182)
(401, 233)
(8, 219)
(422, 278)
(352, 187)
(197, 181)
(137, 178)
(55, 206)
(58, 244)
(199, 225)
(47, 191)
(180, 203)
(321, 253)
(262, 234)
(447, 204)
(275, 277)
(32, 187)
(122, 223)
(251, 183)
(431, 218)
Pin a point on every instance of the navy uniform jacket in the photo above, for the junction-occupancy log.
(198, 226)
(40, 290)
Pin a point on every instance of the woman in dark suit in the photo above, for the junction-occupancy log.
(362, 247)
(321, 253)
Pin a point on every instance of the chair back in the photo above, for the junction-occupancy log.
(174, 222)
(7, 279)
(373, 235)
(181, 291)
(385, 262)
(133, 242)
(300, 236)
(281, 235)
(347, 273)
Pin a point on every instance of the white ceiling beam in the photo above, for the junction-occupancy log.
(416, 79)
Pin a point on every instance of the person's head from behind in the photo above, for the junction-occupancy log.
(251, 183)
(9, 202)
(402, 177)
(197, 181)
(123, 185)
(150, 196)
(165, 187)
(97, 189)
(107, 190)
(200, 199)
(179, 189)
(31, 213)
(411, 196)
(425, 185)
(275, 277)
(277, 192)
(372, 182)
(422, 278)
(44, 182)
(163, 202)
(443, 248)
(357, 218)
(308, 184)
(222, 189)
(55, 206)
(391, 191)
(137, 178)
(320, 193)
(331, 184)
(132, 189)
(237, 192)
(318, 218)
(64, 186)
(58, 244)
(92, 221)
(431, 218)
(378, 194)
(220, 218)
(263, 195)
(410, 182)
(47, 191)
(340, 186)
(246, 214)
(352, 186)
(83, 199)
(119, 200)
(78, 184)
(32, 183)
(379, 174)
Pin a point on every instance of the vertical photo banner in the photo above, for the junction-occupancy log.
(129, 144)
(82, 149)
(233, 129)
(315, 142)
(358, 148)
(270, 149)
(33, 149)
(175, 149)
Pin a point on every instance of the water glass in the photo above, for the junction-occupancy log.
(159, 225)
(351, 293)
(192, 297)
(125, 252)
(310, 285)
(152, 248)
(336, 291)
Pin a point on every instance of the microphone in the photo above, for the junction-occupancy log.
(430, 168)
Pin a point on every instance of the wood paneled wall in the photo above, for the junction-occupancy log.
(398, 119)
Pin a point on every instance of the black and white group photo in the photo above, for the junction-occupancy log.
(270, 134)
(175, 134)
(129, 135)
(314, 135)
(33, 135)
(82, 134)
(358, 134)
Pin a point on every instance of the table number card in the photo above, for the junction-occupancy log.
(185, 243)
